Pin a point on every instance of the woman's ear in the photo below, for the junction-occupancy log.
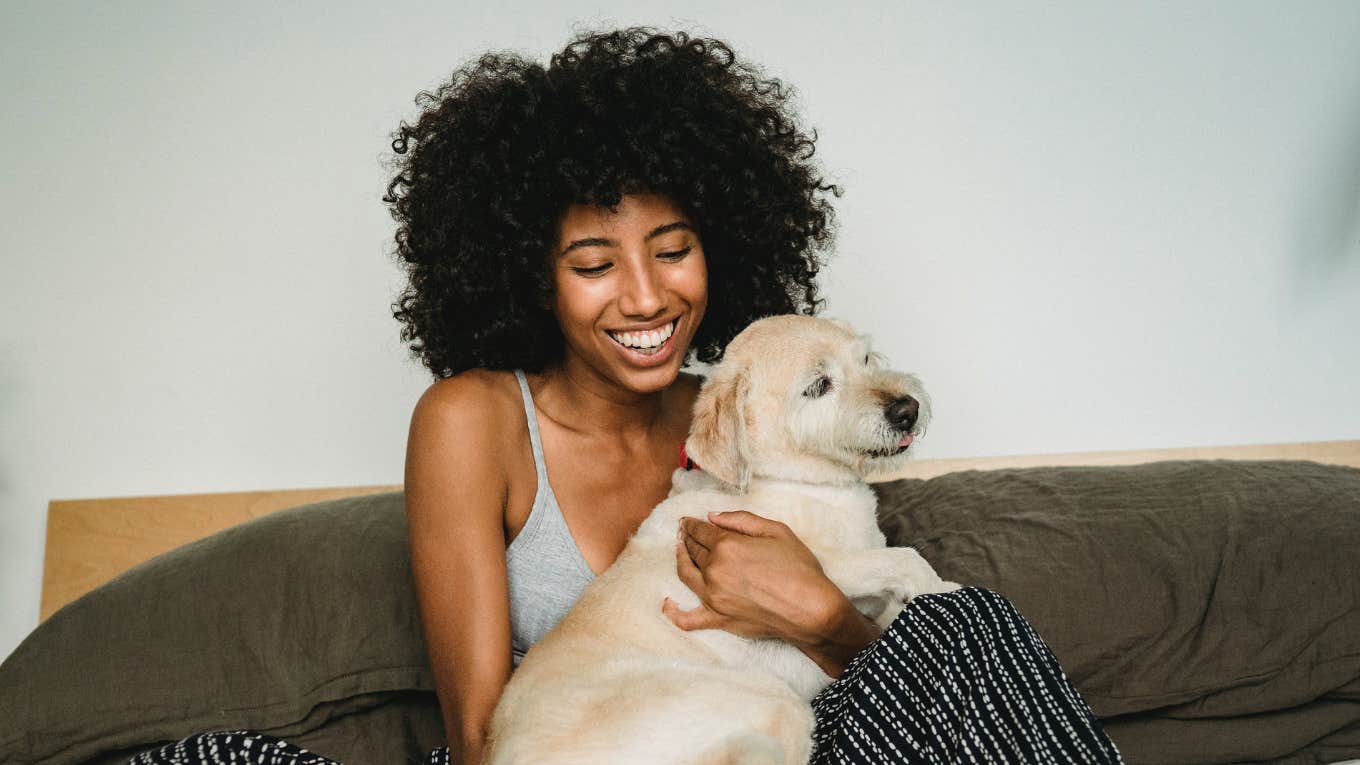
(717, 434)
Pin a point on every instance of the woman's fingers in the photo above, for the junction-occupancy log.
(698, 552)
(747, 523)
(690, 574)
(700, 537)
(699, 618)
(701, 532)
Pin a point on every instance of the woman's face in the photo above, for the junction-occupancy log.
(631, 288)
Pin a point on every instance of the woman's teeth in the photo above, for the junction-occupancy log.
(644, 341)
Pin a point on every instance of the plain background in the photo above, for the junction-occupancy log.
(1088, 226)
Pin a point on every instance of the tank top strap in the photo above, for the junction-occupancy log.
(540, 464)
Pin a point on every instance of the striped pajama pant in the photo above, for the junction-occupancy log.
(958, 677)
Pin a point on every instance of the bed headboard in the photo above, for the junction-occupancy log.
(90, 541)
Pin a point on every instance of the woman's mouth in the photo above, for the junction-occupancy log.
(646, 348)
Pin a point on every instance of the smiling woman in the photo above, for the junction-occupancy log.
(573, 234)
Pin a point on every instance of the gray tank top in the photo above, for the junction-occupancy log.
(546, 570)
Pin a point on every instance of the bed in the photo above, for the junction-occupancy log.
(1206, 602)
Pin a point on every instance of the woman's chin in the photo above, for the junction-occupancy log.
(650, 380)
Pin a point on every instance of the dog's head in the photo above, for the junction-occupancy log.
(804, 398)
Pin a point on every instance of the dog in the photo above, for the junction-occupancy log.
(789, 424)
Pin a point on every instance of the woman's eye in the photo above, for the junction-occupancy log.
(818, 388)
(675, 255)
(596, 271)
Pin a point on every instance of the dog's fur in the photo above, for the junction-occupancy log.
(616, 681)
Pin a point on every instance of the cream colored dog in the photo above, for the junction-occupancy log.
(788, 426)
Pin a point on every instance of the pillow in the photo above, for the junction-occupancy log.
(1320, 732)
(1198, 590)
(1174, 591)
(280, 625)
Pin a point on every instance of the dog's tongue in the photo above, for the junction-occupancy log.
(906, 440)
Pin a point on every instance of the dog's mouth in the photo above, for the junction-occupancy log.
(893, 451)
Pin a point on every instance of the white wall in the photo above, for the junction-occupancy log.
(1087, 226)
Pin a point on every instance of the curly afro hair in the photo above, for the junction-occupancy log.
(502, 148)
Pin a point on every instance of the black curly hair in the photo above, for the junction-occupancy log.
(506, 145)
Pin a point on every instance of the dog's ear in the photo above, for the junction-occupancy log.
(842, 323)
(717, 439)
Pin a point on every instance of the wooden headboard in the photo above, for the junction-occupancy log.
(90, 541)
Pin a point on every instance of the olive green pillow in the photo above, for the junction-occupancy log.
(280, 625)
(1200, 590)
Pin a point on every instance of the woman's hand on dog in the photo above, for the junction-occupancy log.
(754, 578)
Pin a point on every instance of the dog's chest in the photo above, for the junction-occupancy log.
(842, 517)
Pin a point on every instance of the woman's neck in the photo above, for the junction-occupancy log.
(578, 397)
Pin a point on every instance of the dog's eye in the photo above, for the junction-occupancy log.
(818, 388)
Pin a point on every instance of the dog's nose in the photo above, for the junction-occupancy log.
(902, 413)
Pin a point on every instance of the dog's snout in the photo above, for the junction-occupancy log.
(902, 413)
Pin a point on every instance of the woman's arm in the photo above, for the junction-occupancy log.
(844, 633)
(763, 582)
(455, 499)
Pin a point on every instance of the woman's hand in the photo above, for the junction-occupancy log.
(756, 579)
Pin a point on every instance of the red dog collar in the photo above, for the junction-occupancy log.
(685, 461)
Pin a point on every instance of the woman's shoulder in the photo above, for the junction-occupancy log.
(485, 390)
(477, 403)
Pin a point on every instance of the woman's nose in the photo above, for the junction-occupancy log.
(642, 295)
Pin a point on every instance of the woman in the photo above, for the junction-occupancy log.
(572, 234)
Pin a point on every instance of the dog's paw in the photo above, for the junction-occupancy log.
(873, 606)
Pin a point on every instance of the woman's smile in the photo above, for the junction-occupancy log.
(646, 347)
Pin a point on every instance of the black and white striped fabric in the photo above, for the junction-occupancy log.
(958, 677)
(234, 746)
